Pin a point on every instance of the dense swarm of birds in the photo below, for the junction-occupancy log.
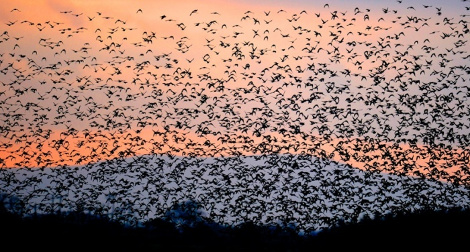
(383, 90)
(301, 193)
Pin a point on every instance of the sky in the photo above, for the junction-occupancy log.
(380, 85)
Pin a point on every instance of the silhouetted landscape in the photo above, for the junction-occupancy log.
(425, 229)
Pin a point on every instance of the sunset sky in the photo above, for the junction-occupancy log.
(376, 84)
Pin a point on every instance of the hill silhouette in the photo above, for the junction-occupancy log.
(183, 229)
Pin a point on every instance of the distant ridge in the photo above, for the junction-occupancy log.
(421, 230)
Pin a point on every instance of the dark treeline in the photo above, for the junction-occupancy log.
(182, 229)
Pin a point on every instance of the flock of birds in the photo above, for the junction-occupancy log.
(383, 90)
(302, 193)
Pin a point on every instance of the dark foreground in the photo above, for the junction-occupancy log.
(423, 230)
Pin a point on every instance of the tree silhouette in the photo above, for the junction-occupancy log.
(185, 214)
